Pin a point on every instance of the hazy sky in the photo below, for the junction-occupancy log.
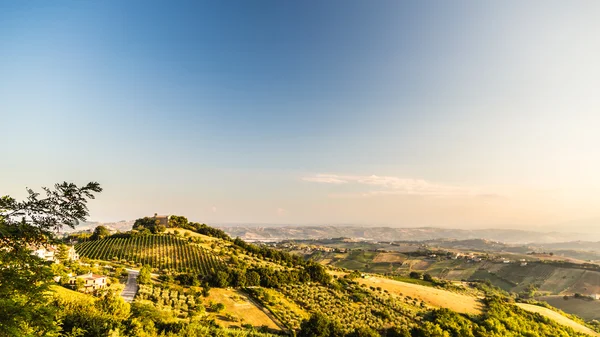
(449, 113)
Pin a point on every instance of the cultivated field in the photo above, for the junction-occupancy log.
(389, 257)
(561, 280)
(588, 283)
(158, 251)
(555, 316)
(432, 296)
(584, 308)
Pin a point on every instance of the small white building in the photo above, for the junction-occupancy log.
(73, 255)
(92, 281)
(46, 253)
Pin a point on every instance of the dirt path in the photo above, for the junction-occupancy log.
(131, 287)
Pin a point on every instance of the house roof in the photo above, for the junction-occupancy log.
(91, 276)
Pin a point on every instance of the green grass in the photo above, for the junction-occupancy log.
(71, 295)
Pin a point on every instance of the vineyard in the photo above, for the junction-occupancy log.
(157, 251)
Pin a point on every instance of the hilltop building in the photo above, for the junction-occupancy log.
(162, 219)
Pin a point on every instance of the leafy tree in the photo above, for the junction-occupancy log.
(100, 233)
(178, 221)
(24, 278)
(217, 307)
(363, 332)
(150, 224)
(221, 279)
(79, 283)
(145, 276)
(316, 326)
(415, 275)
(398, 332)
(114, 305)
(63, 253)
(427, 277)
(318, 273)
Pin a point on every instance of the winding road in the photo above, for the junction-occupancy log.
(131, 287)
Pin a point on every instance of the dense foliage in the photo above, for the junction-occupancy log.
(24, 278)
(111, 316)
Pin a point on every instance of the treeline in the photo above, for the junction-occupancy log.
(270, 253)
(268, 277)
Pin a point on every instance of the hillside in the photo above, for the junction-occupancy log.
(157, 251)
(239, 285)
(434, 297)
(553, 315)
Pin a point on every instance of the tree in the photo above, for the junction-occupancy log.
(318, 273)
(178, 221)
(221, 279)
(217, 307)
(145, 276)
(100, 232)
(363, 332)
(427, 277)
(63, 253)
(24, 278)
(415, 275)
(79, 283)
(316, 326)
(114, 305)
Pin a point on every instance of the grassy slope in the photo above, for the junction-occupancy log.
(432, 296)
(71, 295)
(555, 316)
(238, 304)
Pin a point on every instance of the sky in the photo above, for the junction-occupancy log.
(433, 113)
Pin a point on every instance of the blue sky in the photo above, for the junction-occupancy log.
(467, 113)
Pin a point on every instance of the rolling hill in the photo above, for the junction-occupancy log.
(239, 285)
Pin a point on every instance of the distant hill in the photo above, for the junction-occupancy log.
(252, 233)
